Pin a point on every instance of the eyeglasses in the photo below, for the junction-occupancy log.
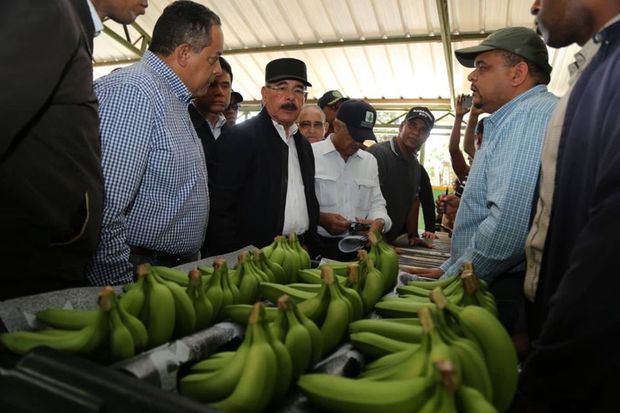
(281, 90)
(307, 124)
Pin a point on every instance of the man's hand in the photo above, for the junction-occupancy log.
(459, 110)
(448, 205)
(425, 272)
(430, 235)
(415, 241)
(333, 223)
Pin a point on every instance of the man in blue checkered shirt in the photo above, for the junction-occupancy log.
(156, 197)
(511, 71)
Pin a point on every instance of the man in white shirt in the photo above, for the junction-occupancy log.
(347, 178)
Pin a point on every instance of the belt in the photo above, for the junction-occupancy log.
(163, 257)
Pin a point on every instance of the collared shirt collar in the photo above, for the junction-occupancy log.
(96, 20)
(176, 84)
(328, 147)
(498, 116)
(587, 52)
(396, 149)
(221, 120)
(281, 131)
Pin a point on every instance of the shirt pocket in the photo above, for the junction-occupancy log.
(363, 196)
(326, 190)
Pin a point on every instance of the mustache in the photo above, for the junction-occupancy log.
(289, 106)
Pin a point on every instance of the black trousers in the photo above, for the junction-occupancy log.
(508, 291)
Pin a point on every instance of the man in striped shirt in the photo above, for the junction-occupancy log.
(156, 195)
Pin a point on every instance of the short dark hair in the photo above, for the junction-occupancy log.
(538, 74)
(226, 67)
(183, 22)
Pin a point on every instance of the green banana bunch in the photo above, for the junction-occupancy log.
(269, 248)
(184, 312)
(304, 257)
(82, 341)
(253, 262)
(134, 297)
(315, 308)
(385, 259)
(288, 259)
(297, 339)
(372, 281)
(273, 292)
(261, 266)
(137, 330)
(219, 291)
(338, 315)
(247, 280)
(257, 381)
(240, 313)
(269, 266)
(351, 294)
(475, 290)
(158, 312)
(121, 344)
(474, 371)
(483, 328)
(202, 306)
(248, 379)
(342, 394)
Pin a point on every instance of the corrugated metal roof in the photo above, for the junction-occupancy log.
(388, 51)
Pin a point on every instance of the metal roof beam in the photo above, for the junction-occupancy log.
(326, 45)
(122, 41)
(378, 104)
(446, 40)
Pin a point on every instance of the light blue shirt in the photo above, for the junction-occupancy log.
(156, 194)
(493, 218)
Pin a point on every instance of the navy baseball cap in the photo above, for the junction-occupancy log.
(360, 118)
(423, 113)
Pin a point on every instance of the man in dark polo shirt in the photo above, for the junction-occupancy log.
(399, 171)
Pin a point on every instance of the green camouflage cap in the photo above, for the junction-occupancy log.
(521, 41)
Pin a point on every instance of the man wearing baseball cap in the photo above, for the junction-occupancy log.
(264, 185)
(346, 178)
(509, 80)
(329, 104)
(400, 172)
